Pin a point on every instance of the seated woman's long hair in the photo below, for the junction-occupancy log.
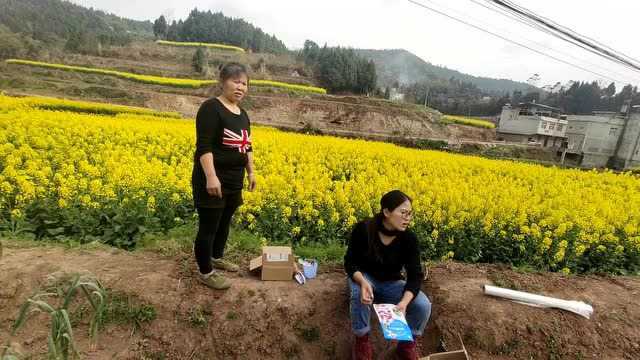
(389, 201)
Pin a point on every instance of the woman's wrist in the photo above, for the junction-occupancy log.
(359, 278)
(406, 298)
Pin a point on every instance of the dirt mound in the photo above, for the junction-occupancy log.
(283, 320)
(499, 329)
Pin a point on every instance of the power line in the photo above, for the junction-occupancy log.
(566, 29)
(512, 41)
(567, 34)
(524, 21)
(528, 22)
(537, 26)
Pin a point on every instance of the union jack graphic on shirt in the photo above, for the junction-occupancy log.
(242, 142)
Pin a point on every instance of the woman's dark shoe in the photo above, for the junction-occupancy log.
(362, 348)
(407, 350)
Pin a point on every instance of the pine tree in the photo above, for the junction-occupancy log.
(199, 61)
(160, 27)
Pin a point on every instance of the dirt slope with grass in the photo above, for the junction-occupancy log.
(341, 115)
(283, 320)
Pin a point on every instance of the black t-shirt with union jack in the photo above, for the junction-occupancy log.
(228, 137)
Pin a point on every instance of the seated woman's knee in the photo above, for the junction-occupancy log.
(354, 290)
(421, 304)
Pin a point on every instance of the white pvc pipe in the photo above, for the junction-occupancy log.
(577, 307)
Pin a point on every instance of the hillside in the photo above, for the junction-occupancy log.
(54, 20)
(352, 116)
(406, 68)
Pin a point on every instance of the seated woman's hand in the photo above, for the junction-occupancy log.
(366, 293)
(402, 306)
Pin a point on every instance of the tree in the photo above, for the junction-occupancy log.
(340, 69)
(199, 61)
(206, 26)
(172, 31)
(82, 42)
(12, 44)
(610, 90)
(54, 21)
(160, 27)
(387, 93)
(532, 96)
(310, 51)
(516, 97)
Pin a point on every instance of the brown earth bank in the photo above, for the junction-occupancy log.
(332, 114)
(284, 320)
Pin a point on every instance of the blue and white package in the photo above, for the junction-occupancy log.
(393, 323)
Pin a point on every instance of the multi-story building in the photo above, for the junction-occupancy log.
(603, 139)
(534, 124)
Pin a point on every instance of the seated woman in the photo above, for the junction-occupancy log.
(378, 251)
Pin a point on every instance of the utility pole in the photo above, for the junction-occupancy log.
(626, 112)
(426, 97)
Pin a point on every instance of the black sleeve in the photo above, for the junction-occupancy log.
(356, 249)
(207, 128)
(413, 265)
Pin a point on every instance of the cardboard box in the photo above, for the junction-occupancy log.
(449, 355)
(277, 263)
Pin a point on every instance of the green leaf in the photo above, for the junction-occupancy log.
(43, 306)
(22, 316)
(55, 231)
(67, 324)
(71, 292)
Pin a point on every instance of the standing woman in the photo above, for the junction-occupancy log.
(379, 249)
(223, 153)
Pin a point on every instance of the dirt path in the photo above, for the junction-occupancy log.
(282, 320)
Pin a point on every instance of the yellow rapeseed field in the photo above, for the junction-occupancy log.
(49, 103)
(463, 120)
(115, 177)
(200, 44)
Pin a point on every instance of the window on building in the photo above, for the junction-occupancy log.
(543, 124)
(552, 126)
(560, 126)
(613, 131)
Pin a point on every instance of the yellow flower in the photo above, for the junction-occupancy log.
(140, 159)
(85, 200)
(151, 203)
(16, 214)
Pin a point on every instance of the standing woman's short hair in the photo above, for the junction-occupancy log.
(232, 70)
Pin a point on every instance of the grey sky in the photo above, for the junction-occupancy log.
(384, 24)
